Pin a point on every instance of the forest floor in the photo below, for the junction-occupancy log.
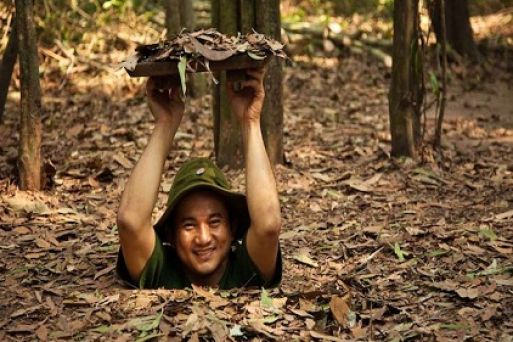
(374, 248)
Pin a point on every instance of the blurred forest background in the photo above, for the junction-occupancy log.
(375, 247)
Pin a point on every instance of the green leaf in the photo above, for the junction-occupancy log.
(225, 294)
(334, 194)
(102, 329)
(398, 252)
(265, 300)
(488, 233)
(492, 269)
(182, 65)
(351, 318)
(454, 326)
(147, 323)
(270, 319)
(472, 275)
(437, 252)
(434, 83)
(416, 60)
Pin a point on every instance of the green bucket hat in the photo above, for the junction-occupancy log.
(202, 173)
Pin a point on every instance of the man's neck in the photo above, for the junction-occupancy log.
(210, 280)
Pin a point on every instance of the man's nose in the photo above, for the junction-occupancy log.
(203, 237)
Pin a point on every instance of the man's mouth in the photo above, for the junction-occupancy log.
(204, 253)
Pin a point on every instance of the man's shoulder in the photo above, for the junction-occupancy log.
(162, 270)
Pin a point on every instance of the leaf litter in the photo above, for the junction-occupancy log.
(208, 45)
(392, 249)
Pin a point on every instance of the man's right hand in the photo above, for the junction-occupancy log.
(165, 104)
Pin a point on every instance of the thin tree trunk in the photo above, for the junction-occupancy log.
(246, 15)
(459, 33)
(405, 95)
(230, 16)
(8, 62)
(187, 15)
(216, 19)
(268, 22)
(173, 22)
(227, 136)
(196, 83)
(29, 154)
(443, 90)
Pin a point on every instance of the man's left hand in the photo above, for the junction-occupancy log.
(247, 102)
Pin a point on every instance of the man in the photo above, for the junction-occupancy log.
(208, 235)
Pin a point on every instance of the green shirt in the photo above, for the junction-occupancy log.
(164, 269)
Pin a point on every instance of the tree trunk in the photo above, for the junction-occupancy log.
(268, 22)
(8, 61)
(197, 83)
(405, 96)
(244, 16)
(459, 31)
(29, 154)
(227, 135)
(187, 15)
(440, 105)
(173, 22)
(179, 16)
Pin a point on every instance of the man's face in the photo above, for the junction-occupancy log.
(202, 235)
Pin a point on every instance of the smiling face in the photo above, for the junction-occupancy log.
(202, 236)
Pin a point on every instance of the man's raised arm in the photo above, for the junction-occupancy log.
(136, 234)
(262, 195)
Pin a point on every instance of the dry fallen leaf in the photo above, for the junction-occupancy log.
(363, 185)
(300, 313)
(310, 323)
(505, 215)
(123, 161)
(324, 337)
(42, 243)
(105, 271)
(468, 292)
(358, 331)
(303, 256)
(340, 308)
(24, 203)
(42, 333)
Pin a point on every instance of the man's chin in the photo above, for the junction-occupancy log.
(206, 269)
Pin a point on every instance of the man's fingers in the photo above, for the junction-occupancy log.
(174, 94)
(153, 91)
(150, 86)
(256, 73)
(229, 89)
(254, 84)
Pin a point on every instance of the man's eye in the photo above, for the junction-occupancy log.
(188, 226)
(215, 223)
